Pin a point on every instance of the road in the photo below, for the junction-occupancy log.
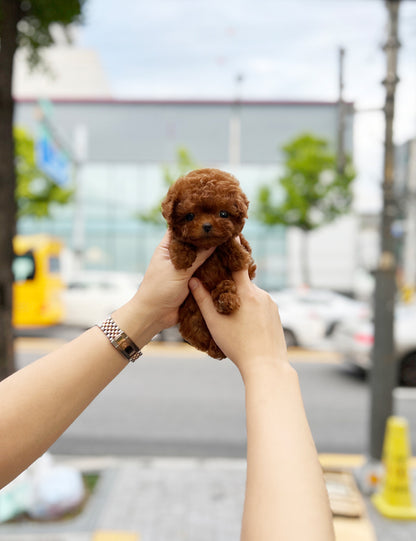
(175, 401)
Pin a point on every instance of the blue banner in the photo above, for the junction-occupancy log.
(52, 161)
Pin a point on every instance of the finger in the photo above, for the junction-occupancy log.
(162, 250)
(163, 245)
(166, 238)
(241, 277)
(201, 256)
(202, 297)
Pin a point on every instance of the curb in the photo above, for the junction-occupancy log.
(42, 345)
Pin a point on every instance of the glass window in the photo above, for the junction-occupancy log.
(23, 267)
(54, 264)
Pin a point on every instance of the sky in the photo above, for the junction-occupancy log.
(279, 49)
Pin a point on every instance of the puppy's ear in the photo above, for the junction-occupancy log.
(168, 205)
(241, 204)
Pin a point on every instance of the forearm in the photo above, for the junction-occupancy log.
(286, 497)
(39, 402)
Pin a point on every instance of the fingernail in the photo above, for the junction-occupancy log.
(193, 283)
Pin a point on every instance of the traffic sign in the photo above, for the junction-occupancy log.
(51, 160)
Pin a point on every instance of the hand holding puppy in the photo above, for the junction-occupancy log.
(252, 336)
(160, 294)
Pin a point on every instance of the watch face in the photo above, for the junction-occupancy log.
(129, 350)
(127, 347)
(120, 340)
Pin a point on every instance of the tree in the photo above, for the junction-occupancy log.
(27, 24)
(314, 192)
(35, 191)
(184, 164)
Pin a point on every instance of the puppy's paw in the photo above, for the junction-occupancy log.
(182, 255)
(227, 303)
(225, 297)
(240, 258)
(234, 255)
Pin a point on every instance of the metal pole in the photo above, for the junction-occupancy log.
(384, 369)
(235, 125)
(409, 259)
(341, 116)
(78, 226)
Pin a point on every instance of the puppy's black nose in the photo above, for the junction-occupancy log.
(207, 227)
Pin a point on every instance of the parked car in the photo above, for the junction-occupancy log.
(301, 327)
(309, 316)
(354, 339)
(90, 296)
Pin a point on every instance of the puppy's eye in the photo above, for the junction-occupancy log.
(189, 217)
(223, 214)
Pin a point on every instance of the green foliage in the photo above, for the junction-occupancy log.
(35, 191)
(36, 18)
(184, 164)
(314, 192)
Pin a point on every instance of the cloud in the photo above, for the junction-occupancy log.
(286, 49)
(295, 40)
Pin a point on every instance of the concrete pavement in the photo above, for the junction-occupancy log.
(174, 499)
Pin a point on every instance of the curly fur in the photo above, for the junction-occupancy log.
(207, 208)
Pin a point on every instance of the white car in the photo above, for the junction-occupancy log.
(354, 339)
(89, 297)
(309, 316)
(301, 327)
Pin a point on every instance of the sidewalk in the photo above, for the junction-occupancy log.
(174, 499)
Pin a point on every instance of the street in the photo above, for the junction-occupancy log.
(176, 401)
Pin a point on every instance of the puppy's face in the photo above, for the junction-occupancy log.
(205, 208)
(206, 223)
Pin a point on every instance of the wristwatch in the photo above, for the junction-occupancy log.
(119, 339)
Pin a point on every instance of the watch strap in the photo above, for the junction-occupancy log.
(119, 340)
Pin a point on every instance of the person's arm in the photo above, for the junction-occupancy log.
(286, 498)
(40, 401)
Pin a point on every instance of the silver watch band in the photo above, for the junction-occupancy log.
(119, 339)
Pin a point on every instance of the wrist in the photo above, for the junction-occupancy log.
(261, 370)
(139, 323)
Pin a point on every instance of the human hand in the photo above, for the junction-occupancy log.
(252, 336)
(161, 292)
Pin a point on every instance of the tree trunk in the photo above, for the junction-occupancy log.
(9, 11)
(304, 257)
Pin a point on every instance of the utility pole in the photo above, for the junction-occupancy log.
(409, 255)
(80, 152)
(235, 124)
(341, 115)
(384, 369)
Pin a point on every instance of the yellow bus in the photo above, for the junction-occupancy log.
(37, 286)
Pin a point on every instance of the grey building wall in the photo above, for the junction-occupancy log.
(124, 131)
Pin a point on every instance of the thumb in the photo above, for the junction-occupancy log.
(201, 296)
(201, 257)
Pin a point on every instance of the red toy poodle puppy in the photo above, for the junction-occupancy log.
(207, 208)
